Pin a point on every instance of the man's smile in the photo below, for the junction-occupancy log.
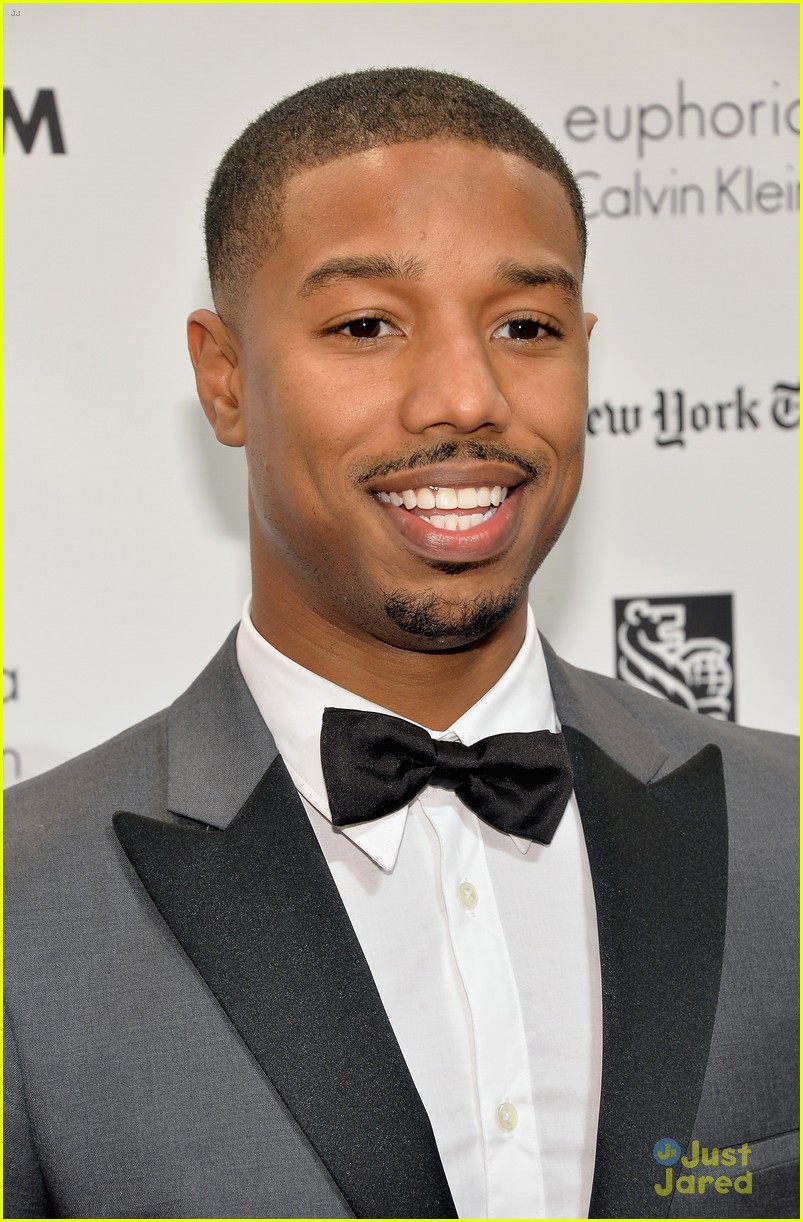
(467, 512)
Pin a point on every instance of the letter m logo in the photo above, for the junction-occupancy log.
(44, 111)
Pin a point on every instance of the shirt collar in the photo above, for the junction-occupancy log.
(292, 699)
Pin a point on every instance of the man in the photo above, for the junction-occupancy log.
(269, 958)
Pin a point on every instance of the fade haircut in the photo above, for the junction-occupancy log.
(338, 116)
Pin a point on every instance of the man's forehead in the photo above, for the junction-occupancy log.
(366, 207)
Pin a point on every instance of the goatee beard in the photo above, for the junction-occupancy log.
(432, 618)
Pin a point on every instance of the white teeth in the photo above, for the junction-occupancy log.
(446, 498)
(455, 522)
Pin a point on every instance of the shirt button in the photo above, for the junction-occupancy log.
(507, 1117)
(467, 894)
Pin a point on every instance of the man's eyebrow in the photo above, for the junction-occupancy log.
(533, 277)
(361, 267)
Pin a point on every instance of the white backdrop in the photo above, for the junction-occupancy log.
(126, 557)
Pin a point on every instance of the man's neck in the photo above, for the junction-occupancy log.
(432, 687)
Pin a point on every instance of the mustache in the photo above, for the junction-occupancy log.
(532, 465)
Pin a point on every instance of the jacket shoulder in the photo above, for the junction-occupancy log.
(584, 696)
(129, 768)
(66, 803)
(87, 774)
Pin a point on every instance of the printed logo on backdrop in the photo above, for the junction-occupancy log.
(12, 761)
(679, 647)
(43, 113)
(678, 120)
(675, 416)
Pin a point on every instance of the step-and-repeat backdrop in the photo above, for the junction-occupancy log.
(126, 553)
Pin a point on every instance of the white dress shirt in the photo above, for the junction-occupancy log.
(483, 947)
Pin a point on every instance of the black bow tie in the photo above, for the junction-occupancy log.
(374, 764)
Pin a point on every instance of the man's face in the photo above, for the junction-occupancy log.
(411, 377)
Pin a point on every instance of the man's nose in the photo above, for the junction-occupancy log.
(453, 384)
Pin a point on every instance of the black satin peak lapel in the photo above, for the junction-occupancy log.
(256, 910)
(658, 856)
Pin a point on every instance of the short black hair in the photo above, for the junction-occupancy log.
(346, 114)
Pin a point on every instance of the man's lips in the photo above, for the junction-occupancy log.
(466, 538)
(449, 518)
(465, 474)
(454, 497)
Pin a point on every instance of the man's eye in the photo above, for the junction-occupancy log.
(524, 329)
(365, 328)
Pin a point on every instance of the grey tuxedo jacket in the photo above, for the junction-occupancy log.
(192, 1029)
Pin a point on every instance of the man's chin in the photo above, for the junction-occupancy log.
(434, 623)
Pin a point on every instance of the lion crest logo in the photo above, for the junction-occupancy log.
(656, 652)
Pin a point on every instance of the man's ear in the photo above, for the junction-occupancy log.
(214, 355)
